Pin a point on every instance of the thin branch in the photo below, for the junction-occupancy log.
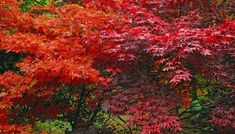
(125, 123)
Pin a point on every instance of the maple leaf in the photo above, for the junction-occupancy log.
(181, 75)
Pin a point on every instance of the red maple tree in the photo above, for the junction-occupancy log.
(138, 57)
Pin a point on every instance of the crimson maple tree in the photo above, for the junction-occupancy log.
(141, 58)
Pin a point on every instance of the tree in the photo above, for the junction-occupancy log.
(146, 59)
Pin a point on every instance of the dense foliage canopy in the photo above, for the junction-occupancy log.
(168, 65)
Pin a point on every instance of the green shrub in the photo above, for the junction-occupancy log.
(53, 126)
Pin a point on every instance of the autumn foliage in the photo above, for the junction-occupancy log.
(149, 59)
